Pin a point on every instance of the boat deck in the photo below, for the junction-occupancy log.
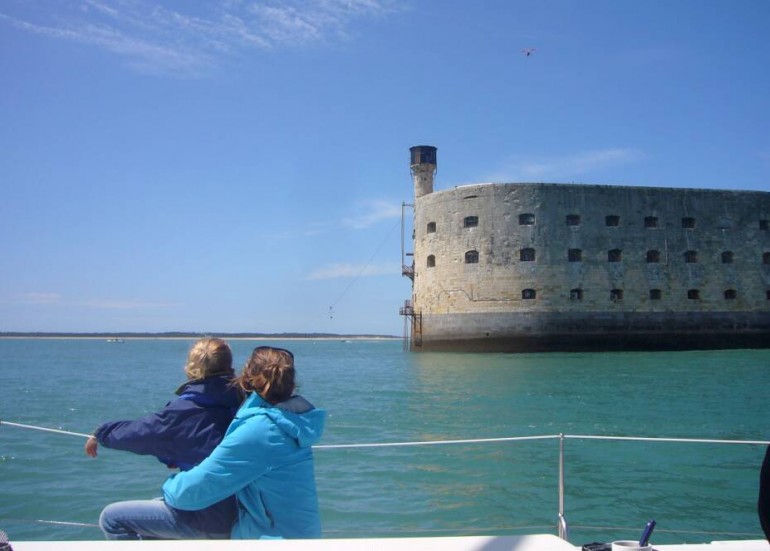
(537, 542)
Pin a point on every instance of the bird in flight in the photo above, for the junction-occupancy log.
(528, 51)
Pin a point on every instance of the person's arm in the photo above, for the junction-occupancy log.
(153, 434)
(242, 457)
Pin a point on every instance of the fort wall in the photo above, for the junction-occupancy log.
(558, 266)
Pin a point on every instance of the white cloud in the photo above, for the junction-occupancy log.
(55, 299)
(565, 167)
(40, 298)
(158, 39)
(343, 270)
(372, 212)
(125, 304)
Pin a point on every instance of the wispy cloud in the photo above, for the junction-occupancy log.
(343, 270)
(128, 304)
(40, 298)
(55, 299)
(371, 212)
(565, 167)
(194, 37)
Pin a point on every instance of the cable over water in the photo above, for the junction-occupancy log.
(468, 441)
(541, 437)
(33, 427)
(435, 442)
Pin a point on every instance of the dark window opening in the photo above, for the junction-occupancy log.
(650, 221)
(612, 220)
(527, 255)
(616, 295)
(575, 255)
(471, 221)
(431, 261)
(614, 255)
(655, 294)
(691, 257)
(766, 258)
(573, 219)
(526, 219)
(472, 257)
(764, 225)
(653, 257)
(727, 257)
(731, 294)
(528, 294)
(693, 294)
(688, 222)
(431, 227)
(576, 294)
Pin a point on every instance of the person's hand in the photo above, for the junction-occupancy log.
(92, 444)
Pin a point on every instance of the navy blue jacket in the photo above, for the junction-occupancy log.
(183, 434)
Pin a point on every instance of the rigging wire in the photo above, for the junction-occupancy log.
(361, 271)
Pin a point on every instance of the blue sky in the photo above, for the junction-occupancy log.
(240, 165)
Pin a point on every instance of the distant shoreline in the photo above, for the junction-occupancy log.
(186, 336)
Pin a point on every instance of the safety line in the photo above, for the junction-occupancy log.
(540, 437)
(64, 523)
(40, 521)
(470, 440)
(19, 425)
(664, 439)
(434, 442)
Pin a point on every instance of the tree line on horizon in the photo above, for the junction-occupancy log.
(186, 334)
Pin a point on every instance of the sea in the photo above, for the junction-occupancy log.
(460, 467)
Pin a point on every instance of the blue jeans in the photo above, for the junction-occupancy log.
(154, 520)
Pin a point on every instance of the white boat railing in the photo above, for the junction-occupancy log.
(562, 525)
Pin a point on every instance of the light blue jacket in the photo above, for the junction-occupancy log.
(265, 459)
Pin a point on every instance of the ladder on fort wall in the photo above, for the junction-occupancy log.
(410, 315)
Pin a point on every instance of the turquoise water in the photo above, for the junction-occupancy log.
(374, 392)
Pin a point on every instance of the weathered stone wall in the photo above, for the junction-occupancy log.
(708, 267)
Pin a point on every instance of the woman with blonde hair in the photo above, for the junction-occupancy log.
(181, 435)
(265, 458)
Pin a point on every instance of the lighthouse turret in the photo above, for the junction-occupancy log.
(423, 167)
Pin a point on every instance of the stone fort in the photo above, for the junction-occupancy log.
(542, 267)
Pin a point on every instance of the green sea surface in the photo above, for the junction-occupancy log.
(375, 392)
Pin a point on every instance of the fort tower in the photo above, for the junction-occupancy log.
(547, 266)
(423, 167)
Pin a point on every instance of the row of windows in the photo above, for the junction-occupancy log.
(614, 255)
(617, 294)
(612, 220)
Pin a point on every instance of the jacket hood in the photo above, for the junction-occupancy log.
(212, 391)
(296, 417)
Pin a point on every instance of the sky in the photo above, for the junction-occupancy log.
(240, 165)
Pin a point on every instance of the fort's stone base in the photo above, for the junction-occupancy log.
(599, 331)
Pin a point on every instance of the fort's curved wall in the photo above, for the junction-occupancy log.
(555, 266)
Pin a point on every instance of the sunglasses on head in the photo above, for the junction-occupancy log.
(276, 349)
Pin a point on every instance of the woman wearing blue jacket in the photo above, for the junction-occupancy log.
(181, 435)
(265, 458)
